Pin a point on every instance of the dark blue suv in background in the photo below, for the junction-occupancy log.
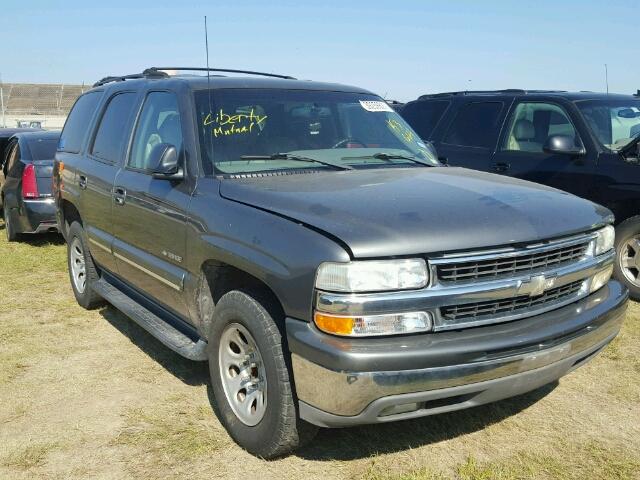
(584, 143)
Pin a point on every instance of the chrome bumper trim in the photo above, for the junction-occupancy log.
(349, 393)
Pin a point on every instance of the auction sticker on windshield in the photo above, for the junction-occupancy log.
(375, 106)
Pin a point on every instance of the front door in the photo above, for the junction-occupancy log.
(150, 214)
(521, 150)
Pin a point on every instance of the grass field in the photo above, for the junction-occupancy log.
(91, 395)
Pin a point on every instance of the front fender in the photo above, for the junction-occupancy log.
(279, 252)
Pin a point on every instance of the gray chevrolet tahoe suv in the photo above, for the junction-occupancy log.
(301, 238)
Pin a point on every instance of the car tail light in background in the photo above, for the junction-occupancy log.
(29, 183)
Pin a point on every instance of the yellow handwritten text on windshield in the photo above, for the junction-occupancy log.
(398, 128)
(225, 124)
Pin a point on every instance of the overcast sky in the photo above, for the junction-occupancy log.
(396, 48)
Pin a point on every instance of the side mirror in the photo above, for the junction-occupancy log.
(165, 158)
(562, 145)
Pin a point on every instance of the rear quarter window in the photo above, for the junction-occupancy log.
(476, 125)
(424, 116)
(77, 124)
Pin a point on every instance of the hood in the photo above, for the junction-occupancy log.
(405, 211)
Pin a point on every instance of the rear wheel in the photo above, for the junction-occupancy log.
(627, 266)
(9, 229)
(250, 379)
(82, 271)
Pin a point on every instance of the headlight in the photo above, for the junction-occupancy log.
(371, 325)
(605, 239)
(372, 275)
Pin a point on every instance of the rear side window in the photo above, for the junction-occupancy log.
(78, 122)
(424, 116)
(112, 131)
(476, 125)
(13, 160)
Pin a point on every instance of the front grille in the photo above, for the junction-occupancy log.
(505, 266)
(473, 311)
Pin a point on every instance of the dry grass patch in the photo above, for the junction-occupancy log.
(174, 429)
(30, 456)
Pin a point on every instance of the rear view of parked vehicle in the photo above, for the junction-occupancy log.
(584, 143)
(25, 184)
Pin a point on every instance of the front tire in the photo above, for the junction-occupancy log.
(627, 265)
(251, 381)
(82, 271)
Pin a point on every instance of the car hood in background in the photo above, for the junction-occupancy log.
(405, 211)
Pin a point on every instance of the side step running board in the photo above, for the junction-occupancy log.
(156, 326)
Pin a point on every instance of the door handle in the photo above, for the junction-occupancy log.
(82, 182)
(119, 195)
(501, 167)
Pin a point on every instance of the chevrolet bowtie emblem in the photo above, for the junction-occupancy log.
(536, 285)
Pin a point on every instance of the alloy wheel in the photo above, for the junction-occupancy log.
(629, 258)
(77, 264)
(243, 374)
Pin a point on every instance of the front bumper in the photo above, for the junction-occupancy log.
(346, 381)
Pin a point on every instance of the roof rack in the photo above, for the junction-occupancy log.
(161, 72)
(122, 78)
(153, 70)
(516, 91)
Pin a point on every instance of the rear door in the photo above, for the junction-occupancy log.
(521, 151)
(471, 137)
(97, 175)
(149, 215)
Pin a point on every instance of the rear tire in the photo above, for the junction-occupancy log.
(82, 271)
(244, 344)
(9, 229)
(627, 265)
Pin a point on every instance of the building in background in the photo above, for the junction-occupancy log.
(37, 104)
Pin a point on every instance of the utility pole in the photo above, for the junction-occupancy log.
(4, 123)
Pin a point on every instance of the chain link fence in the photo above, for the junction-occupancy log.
(33, 102)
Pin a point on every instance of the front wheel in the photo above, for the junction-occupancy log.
(250, 379)
(627, 266)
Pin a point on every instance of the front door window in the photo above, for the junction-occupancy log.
(533, 123)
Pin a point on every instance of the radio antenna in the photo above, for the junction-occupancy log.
(206, 47)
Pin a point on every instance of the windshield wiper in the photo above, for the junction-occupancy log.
(391, 156)
(297, 158)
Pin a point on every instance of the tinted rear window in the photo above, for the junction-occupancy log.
(424, 116)
(476, 125)
(43, 148)
(77, 123)
(112, 132)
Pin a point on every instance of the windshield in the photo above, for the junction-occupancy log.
(341, 130)
(614, 123)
